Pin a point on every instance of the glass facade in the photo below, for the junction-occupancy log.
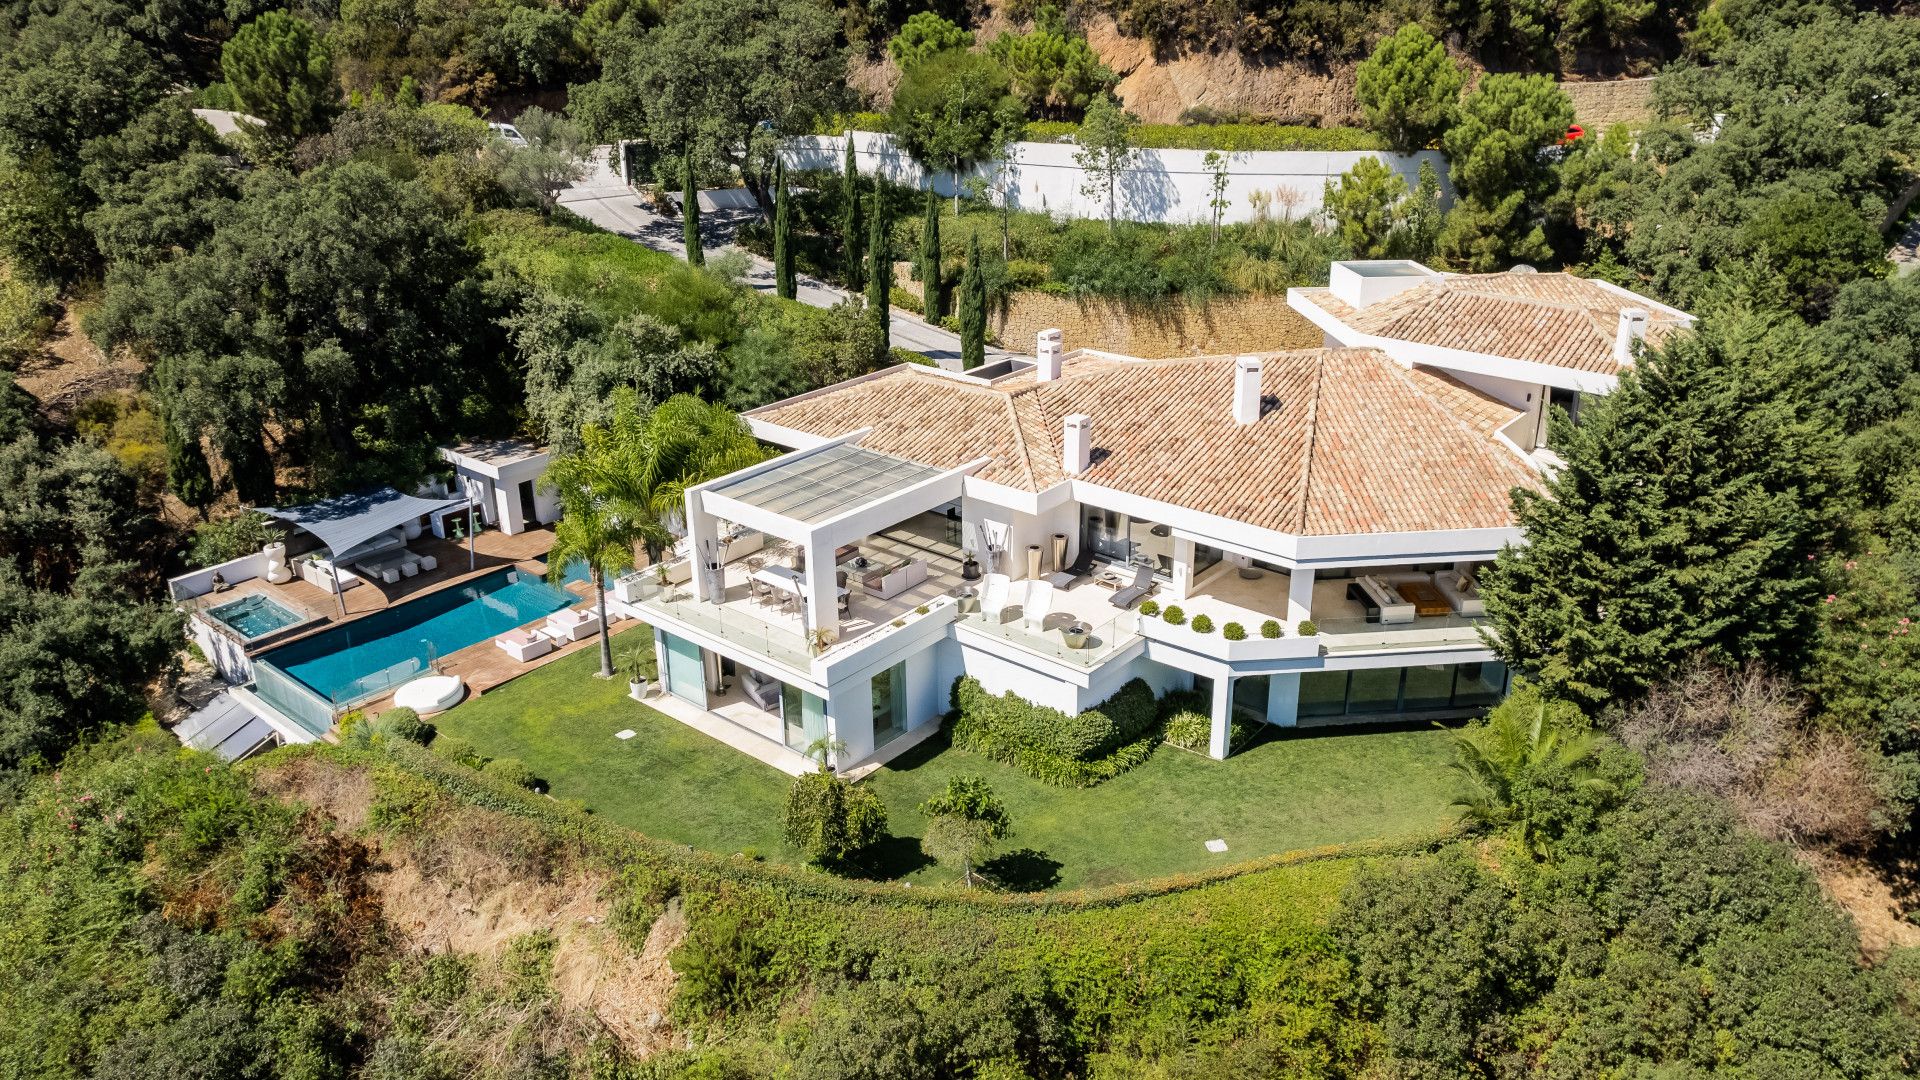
(1385, 691)
(1111, 536)
(1250, 697)
(686, 671)
(889, 704)
(804, 717)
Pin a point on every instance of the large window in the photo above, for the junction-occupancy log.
(1111, 536)
(686, 671)
(1250, 697)
(1387, 691)
(804, 716)
(889, 704)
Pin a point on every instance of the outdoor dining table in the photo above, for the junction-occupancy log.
(786, 579)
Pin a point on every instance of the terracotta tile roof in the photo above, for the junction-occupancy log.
(1556, 319)
(1349, 442)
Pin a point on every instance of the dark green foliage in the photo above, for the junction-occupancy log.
(1665, 938)
(1815, 243)
(188, 475)
(953, 110)
(723, 966)
(282, 72)
(230, 538)
(852, 239)
(690, 212)
(933, 285)
(968, 1026)
(1692, 499)
(973, 309)
(1495, 161)
(783, 280)
(880, 274)
(1051, 69)
(1409, 88)
(831, 820)
(347, 317)
(1049, 745)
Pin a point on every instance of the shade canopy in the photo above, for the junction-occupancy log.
(826, 483)
(345, 522)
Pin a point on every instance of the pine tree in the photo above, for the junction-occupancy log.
(932, 288)
(783, 284)
(973, 309)
(850, 235)
(690, 210)
(1684, 521)
(187, 471)
(880, 275)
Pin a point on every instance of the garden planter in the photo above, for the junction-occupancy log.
(1075, 635)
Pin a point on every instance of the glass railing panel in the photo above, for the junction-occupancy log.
(300, 704)
(740, 628)
(1102, 640)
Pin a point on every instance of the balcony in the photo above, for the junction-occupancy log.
(1347, 616)
(767, 623)
(1080, 627)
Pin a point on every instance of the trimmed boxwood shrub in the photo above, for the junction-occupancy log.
(512, 771)
(1233, 631)
(404, 723)
(1174, 615)
(1202, 624)
(1309, 628)
(1150, 608)
(1272, 629)
(1051, 746)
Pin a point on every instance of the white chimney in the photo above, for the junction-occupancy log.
(1049, 349)
(1633, 327)
(1077, 447)
(1246, 389)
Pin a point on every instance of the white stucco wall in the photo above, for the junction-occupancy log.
(1171, 186)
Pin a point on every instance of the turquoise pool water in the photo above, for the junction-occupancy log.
(387, 648)
(254, 616)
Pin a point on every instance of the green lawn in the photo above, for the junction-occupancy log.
(672, 783)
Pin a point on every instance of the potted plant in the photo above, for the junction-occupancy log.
(637, 662)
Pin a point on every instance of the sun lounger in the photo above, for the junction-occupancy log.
(993, 596)
(524, 645)
(571, 624)
(1141, 585)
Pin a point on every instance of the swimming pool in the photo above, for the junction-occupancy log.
(254, 616)
(370, 655)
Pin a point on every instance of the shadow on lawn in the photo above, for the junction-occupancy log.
(893, 858)
(1023, 870)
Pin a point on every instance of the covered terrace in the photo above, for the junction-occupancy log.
(824, 546)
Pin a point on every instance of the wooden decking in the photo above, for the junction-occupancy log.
(491, 550)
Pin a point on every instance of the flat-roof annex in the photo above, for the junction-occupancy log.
(826, 483)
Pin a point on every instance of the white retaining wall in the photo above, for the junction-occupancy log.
(233, 572)
(1168, 186)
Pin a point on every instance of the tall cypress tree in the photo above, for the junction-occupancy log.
(932, 288)
(1685, 521)
(690, 210)
(973, 309)
(783, 285)
(880, 274)
(850, 237)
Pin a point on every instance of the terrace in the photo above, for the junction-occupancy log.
(811, 556)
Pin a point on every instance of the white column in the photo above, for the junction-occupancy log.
(1222, 707)
(701, 528)
(823, 595)
(1283, 699)
(1300, 596)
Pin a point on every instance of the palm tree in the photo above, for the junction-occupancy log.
(627, 484)
(654, 456)
(1522, 737)
(592, 528)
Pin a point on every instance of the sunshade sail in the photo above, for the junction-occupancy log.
(347, 521)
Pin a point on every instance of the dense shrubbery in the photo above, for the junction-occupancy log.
(1051, 746)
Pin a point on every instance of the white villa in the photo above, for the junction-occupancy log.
(1008, 522)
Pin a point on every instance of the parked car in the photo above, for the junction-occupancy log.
(508, 134)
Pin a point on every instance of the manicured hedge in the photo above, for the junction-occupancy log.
(1051, 746)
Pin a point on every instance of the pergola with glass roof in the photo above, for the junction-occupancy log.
(820, 498)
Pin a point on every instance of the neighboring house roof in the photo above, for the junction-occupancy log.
(1349, 441)
(1556, 319)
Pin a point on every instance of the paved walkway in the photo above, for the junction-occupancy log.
(604, 199)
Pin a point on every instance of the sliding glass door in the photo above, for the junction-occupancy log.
(889, 704)
(1111, 536)
(686, 671)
